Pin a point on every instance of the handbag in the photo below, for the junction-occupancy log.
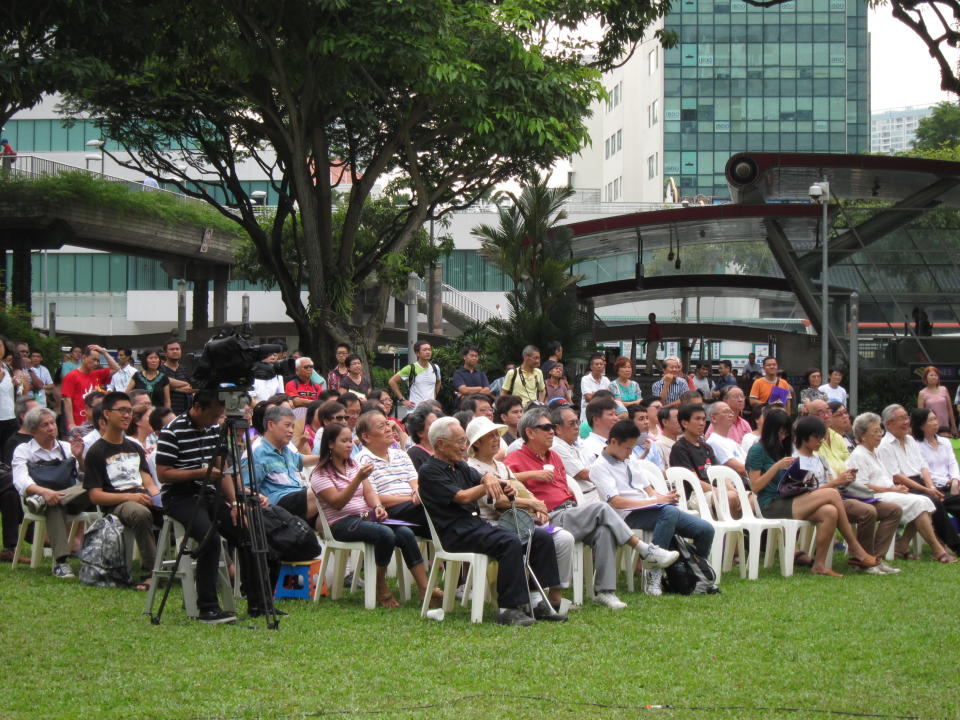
(796, 481)
(290, 538)
(54, 474)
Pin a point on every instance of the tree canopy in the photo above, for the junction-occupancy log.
(940, 129)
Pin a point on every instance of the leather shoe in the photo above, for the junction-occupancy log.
(542, 612)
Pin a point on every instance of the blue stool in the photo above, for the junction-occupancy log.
(297, 580)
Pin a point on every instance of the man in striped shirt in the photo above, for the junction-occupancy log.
(186, 457)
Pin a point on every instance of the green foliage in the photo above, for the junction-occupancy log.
(876, 390)
(379, 376)
(940, 129)
(16, 325)
(93, 191)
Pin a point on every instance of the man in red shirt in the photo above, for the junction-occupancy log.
(595, 524)
(300, 390)
(89, 376)
(653, 339)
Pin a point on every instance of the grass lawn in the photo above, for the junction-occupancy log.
(883, 646)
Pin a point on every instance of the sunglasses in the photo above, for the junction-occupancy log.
(546, 427)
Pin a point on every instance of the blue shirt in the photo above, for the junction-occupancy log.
(470, 378)
(277, 471)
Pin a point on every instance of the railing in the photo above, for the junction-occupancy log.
(457, 301)
(83, 304)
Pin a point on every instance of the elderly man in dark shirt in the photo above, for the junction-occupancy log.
(450, 491)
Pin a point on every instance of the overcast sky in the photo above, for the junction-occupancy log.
(902, 71)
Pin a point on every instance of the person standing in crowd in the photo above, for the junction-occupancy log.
(751, 370)
(86, 378)
(653, 339)
(593, 381)
(265, 388)
(467, 379)
(422, 378)
(812, 380)
(832, 388)
(771, 387)
(71, 361)
(933, 395)
(181, 394)
(45, 394)
(14, 382)
(497, 385)
(624, 390)
(151, 379)
(122, 377)
(701, 380)
(355, 381)
(342, 352)
(526, 381)
(301, 390)
(672, 384)
(726, 378)
(554, 356)
(556, 386)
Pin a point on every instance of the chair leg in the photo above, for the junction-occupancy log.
(431, 584)
(753, 556)
(322, 575)
(479, 590)
(339, 569)
(576, 573)
(39, 535)
(789, 548)
(716, 555)
(21, 539)
(369, 578)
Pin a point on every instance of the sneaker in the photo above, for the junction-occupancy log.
(542, 612)
(887, 569)
(460, 590)
(216, 617)
(515, 616)
(62, 570)
(608, 599)
(657, 558)
(652, 584)
(35, 504)
(875, 570)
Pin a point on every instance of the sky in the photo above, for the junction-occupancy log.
(902, 71)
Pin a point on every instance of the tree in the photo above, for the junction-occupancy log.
(939, 129)
(447, 97)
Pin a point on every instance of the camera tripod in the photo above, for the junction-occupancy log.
(231, 447)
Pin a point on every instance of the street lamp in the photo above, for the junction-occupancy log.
(820, 193)
(99, 145)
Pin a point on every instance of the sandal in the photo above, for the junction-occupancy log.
(904, 555)
(868, 562)
(826, 572)
(801, 559)
(143, 585)
(946, 558)
(387, 601)
(436, 599)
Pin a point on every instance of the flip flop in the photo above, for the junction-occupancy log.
(801, 559)
(827, 572)
(143, 585)
(387, 601)
(904, 555)
(946, 558)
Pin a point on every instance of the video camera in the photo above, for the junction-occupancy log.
(230, 361)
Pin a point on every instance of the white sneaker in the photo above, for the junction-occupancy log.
(657, 558)
(887, 569)
(35, 504)
(62, 570)
(875, 570)
(608, 599)
(652, 584)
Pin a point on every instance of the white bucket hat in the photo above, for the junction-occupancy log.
(481, 426)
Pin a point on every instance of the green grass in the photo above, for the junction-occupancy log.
(864, 644)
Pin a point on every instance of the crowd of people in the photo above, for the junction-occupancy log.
(586, 459)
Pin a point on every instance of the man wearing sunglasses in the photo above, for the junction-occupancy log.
(541, 470)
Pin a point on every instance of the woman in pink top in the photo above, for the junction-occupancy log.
(353, 510)
(935, 396)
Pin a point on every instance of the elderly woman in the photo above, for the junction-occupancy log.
(418, 426)
(933, 395)
(938, 453)
(484, 439)
(767, 465)
(352, 508)
(813, 379)
(625, 391)
(917, 509)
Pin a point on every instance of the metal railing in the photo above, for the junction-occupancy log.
(458, 302)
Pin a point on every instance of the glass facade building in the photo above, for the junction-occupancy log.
(789, 78)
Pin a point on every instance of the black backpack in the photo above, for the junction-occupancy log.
(690, 574)
(289, 537)
(412, 376)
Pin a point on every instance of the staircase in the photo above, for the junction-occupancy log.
(457, 308)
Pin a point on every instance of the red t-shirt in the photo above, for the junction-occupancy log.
(307, 391)
(76, 386)
(551, 493)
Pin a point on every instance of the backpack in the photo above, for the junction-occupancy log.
(289, 537)
(690, 574)
(103, 555)
(411, 377)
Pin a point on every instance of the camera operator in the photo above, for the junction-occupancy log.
(267, 382)
(186, 453)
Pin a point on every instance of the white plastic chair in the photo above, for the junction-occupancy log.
(755, 526)
(581, 562)
(476, 587)
(340, 550)
(728, 535)
(40, 532)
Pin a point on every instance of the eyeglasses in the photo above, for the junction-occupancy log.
(121, 410)
(309, 367)
(341, 418)
(546, 427)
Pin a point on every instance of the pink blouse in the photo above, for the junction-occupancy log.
(326, 477)
(939, 402)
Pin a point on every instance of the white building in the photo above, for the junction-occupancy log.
(893, 131)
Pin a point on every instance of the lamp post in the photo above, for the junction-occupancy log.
(99, 145)
(413, 283)
(182, 311)
(820, 192)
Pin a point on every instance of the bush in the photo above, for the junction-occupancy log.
(16, 324)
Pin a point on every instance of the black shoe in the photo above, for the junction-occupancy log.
(257, 612)
(515, 616)
(542, 612)
(216, 617)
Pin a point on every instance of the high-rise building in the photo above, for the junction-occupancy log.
(893, 131)
(790, 78)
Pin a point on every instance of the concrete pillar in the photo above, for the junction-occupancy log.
(201, 300)
(435, 300)
(22, 275)
(220, 276)
(399, 314)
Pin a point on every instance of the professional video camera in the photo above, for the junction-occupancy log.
(230, 361)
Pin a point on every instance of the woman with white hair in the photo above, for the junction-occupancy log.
(483, 437)
(917, 509)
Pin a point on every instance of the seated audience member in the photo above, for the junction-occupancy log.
(265, 388)
(540, 469)
(733, 396)
(646, 448)
(507, 411)
(832, 388)
(484, 439)
(727, 451)
(91, 402)
(277, 467)
(96, 418)
(352, 404)
(140, 399)
(23, 405)
(601, 416)
(118, 480)
(556, 385)
(652, 406)
(724, 380)
(301, 389)
(691, 397)
(691, 451)
(625, 391)
(938, 454)
(767, 464)
(569, 447)
(418, 426)
(311, 423)
(355, 381)
(451, 492)
(481, 404)
(464, 417)
(833, 448)
(330, 412)
(11, 512)
(812, 380)
(348, 498)
(672, 384)
(382, 397)
(917, 510)
(631, 492)
(393, 474)
(40, 466)
(900, 455)
(700, 379)
(842, 423)
(753, 437)
(670, 431)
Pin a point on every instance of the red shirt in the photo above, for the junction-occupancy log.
(76, 386)
(551, 493)
(307, 390)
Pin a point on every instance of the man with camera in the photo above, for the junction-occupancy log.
(187, 460)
